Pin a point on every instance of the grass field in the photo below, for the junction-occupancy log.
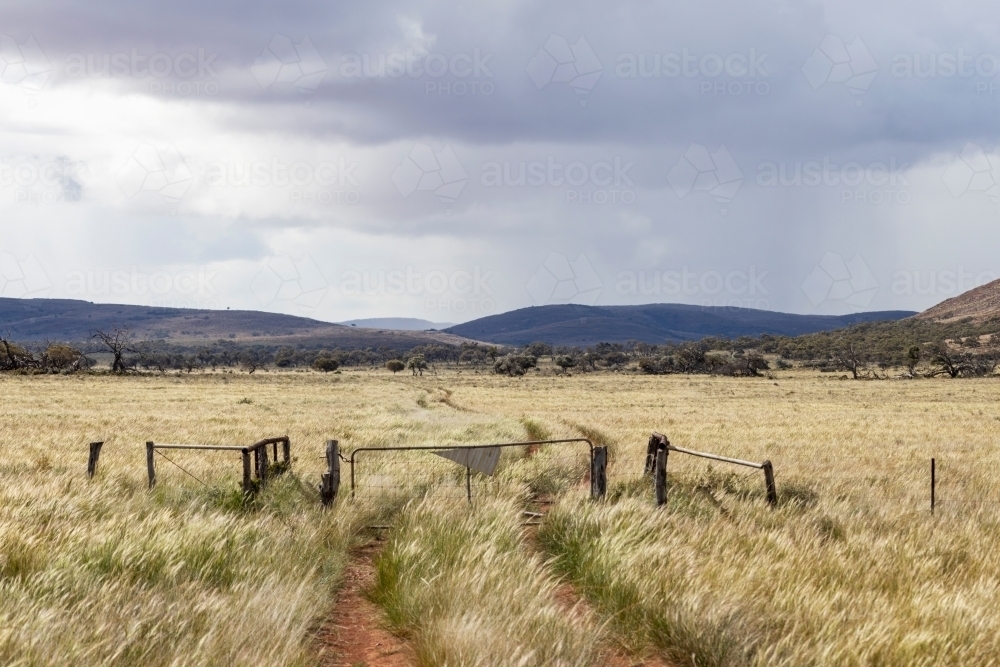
(850, 569)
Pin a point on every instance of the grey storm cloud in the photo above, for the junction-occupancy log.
(721, 139)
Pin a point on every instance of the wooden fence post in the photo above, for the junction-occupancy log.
(660, 477)
(772, 491)
(933, 482)
(95, 453)
(599, 473)
(651, 448)
(247, 479)
(330, 483)
(150, 465)
(262, 473)
(286, 452)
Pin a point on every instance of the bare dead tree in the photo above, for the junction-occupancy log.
(849, 359)
(952, 364)
(118, 341)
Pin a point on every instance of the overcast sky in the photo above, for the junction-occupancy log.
(449, 161)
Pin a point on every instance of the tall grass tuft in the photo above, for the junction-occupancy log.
(461, 584)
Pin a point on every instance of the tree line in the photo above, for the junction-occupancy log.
(870, 350)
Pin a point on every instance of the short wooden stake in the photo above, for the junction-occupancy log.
(772, 491)
(599, 473)
(150, 464)
(660, 477)
(330, 481)
(262, 473)
(95, 453)
(933, 480)
(247, 477)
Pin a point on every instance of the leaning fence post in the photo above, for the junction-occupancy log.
(599, 472)
(772, 491)
(330, 482)
(262, 473)
(95, 453)
(247, 480)
(150, 465)
(660, 477)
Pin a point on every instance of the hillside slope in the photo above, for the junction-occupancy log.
(654, 323)
(75, 321)
(981, 304)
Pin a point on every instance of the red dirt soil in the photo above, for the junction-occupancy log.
(356, 634)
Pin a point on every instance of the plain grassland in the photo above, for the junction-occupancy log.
(851, 569)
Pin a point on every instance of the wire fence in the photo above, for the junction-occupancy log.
(389, 477)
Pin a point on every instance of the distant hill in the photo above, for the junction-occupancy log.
(71, 320)
(654, 323)
(398, 323)
(980, 304)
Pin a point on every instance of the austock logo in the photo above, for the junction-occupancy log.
(424, 170)
(835, 62)
(189, 287)
(23, 64)
(283, 61)
(559, 62)
(700, 171)
(24, 278)
(559, 280)
(283, 280)
(159, 170)
(974, 170)
(444, 292)
(833, 279)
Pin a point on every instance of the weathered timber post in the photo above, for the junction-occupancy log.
(262, 473)
(286, 452)
(150, 465)
(772, 491)
(599, 472)
(256, 461)
(468, 483)
(651, 447)
(933, 480)
(330, 483)
(247, 479)
(660, 477)
(95, 453)
(657, 441)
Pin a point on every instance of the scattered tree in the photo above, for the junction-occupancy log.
(514, 364)
(565, 362)
(325, 363)
(417, 364)
(395, 365)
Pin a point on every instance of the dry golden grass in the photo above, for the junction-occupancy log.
(850, 569)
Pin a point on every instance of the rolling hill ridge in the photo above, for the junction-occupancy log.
(654, 323)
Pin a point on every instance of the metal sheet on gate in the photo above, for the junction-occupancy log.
(483, 459)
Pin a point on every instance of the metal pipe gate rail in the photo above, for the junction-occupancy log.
(598, 460)
(656, 463)
(260, 460)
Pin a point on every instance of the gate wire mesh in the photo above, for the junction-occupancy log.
(394, 476)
